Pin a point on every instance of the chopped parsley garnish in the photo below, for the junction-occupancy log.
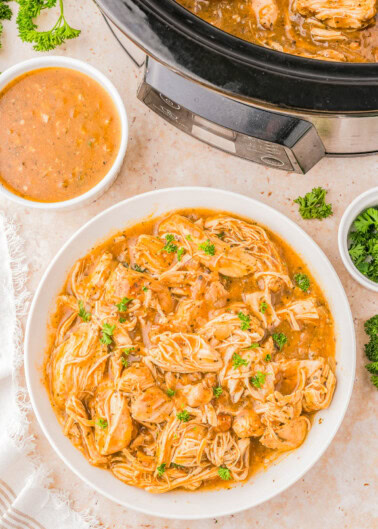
(258, 380)
(238, 361)
(144, 289)
(363, 243)
(188, 237)
(224, 473)
(161, 469)
(268, 358)
(313, 205)
(84, 315)
(128, 350)
(217, 391)
(263, 307)
(124, 362)
(183, 416)
(279, 339)
(175, 465)
(245, 321)
(122, 320)
(107, 333)
(170, 392)
(302, 282)
(207, 247)
(102, 423)
(180, 253)
(371, 348)
(122, 305)
(170, 247)
(221, 235)
(138, 268)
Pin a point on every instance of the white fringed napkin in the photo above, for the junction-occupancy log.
(26, 502)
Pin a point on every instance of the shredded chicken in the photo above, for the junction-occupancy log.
(164, 365)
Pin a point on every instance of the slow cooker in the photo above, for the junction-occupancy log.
(276, 109)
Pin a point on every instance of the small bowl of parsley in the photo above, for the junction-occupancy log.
(358, 239)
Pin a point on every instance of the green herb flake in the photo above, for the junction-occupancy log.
(144, 289)
(280, 339)
(107, 333)
(268, 358)
(245, 321)
(207, 247)
(224, 473)
(183, 416)
(188, 237)
(171, 392)
(122, 305)
(238, 361)
(83, 314)
(138, 268)
(122, 320)
(161, 469)
(221, 235)
(363, 243)
(313, 205)
(302, 281)
(263, 307)
(258, 380)
(102, 423)
(252, 346)
(217, 391)
(180, 253)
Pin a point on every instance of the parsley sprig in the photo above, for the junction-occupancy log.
(217, 391)
(207, 247)
(43, 40)
(123, 304)
(371, 348)
(280, 339)
(313, 205)
(238, 361)
(102, 423)
(5, 14)
(363, 243)
(258, 380)
(245, 321)
(107, 334)
(83, 314)
(224, 473)
(183, 416)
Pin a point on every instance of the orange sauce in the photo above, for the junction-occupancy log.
(60, 134)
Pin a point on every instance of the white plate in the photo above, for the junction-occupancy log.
(262, 486)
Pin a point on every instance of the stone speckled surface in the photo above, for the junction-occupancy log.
(340, 491)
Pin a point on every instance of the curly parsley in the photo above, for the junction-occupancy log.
(263, 307)
(122, 305)
(238, 361)
(224, 473)
(83, 314)
(217, 391)
(170, 392)
(258, 380)
(183, 416)
(302, 281)
(207, 247)
(170, 247)
(107, 333)
(313, 205)
(102, 423)
(245, 321)
(363, 243)
(280, 339)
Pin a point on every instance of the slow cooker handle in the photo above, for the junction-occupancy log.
(137, 63)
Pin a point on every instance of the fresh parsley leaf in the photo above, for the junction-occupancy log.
(122, 305)
(371, 348)
(43, 40)
(170, 247)
(224, 473)
(268, 358)
(245, 321)
(128, 351)
(183, 416)
(84, 315)
(252, 346)
(207, 247)
(138, 268)
(5, 14)
(263, 307)
(238, 361)
(280, 339)
(107, 333)
(171, 392)
(180, 253)
(363, 243)
(217, 391)
(122, 320)
(188, 237)
(124, 362)
(221, 235)
(302, 281)
(258, 380)
(175, 465)
(161, 469)
(313, 205)
(102, 423)
(144, 289)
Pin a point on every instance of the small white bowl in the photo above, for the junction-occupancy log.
(66, 62)
(359, 204)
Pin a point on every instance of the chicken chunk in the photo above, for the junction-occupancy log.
(197, 394)
(151, 406)
(266, 12)
(135, 379)
(149, 253)
(247, 424)
(345, 14)
(287, 436)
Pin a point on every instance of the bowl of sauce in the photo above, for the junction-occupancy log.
(63, 133)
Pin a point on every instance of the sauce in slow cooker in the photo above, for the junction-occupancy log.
(323, 29)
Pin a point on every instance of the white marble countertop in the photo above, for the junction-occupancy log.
(340, 490)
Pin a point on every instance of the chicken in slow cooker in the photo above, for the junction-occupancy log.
(338, 30)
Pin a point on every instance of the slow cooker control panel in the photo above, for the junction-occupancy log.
(268, 138)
